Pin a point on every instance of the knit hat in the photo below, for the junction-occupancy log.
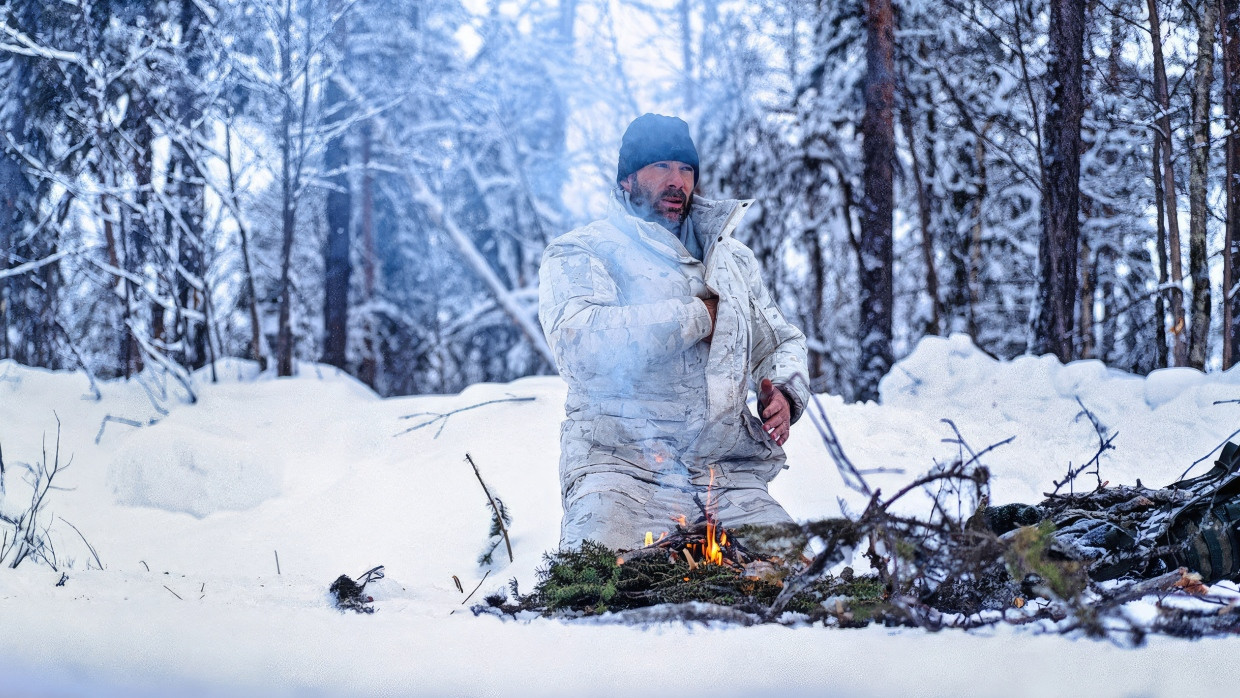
(654, 138)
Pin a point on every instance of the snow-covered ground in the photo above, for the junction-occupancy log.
(189, 513)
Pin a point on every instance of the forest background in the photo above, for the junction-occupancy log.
(371, 183)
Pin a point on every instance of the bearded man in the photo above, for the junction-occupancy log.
(661, 324)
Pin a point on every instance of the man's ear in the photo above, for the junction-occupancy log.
(627, 184)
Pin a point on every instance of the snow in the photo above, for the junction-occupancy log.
(188, 515)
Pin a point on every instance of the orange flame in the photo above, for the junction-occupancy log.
(711, 550)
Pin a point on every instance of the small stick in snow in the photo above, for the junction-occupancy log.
(148, 567)
(88, 545)
(471, 594)
(498, 516)
(277, 552)
(458, 584)
(173, 593)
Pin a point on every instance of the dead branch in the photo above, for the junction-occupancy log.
(480, 581)
(498, 516)
(120, 420)
(442, 417)
(89, 547)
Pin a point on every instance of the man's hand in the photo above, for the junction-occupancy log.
(775, 411)
(712, 307)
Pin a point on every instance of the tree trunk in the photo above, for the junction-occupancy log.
(1160, 304)
(686, 48)
(1230, 30)
(368, 372)
(1179, 351)
(1085, 313)
(878, 151)
(1198, 257)
(336, 263)
(923, 217)
(1061, 193)
(975, 230)
(288, 217)
(190, 201)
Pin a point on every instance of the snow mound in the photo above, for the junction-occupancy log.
(181, 469)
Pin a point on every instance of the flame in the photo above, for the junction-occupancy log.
(711, 549)
(658, 457)
(649, 538)
(681, 520)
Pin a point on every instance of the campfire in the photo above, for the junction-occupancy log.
(704, 542)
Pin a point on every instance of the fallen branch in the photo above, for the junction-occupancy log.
(442, 417)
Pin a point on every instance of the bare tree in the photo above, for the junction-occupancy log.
(337, 265)
(1198, 257)
(878, 149)
(1061, 192)
(1229, 29)
(1162, 139)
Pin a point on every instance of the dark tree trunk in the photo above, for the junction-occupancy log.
(1230, 30)
(368, 372)
(1085, 314)
(1061, 185)
(1198, 256)
(1160, 303)
(288, 206)
(878, 151)
(1179, 351)
(336, 263)
(191, 297)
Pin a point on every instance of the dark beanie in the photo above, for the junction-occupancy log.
(654, 138)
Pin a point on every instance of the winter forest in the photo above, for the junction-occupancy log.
(371, 184)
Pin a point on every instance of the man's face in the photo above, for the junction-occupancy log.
(661, 191)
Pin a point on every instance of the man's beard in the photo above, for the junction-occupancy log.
(667, 208)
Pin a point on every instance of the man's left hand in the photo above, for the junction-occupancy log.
(775, 411)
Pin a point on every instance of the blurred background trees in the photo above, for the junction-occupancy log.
(370, 184)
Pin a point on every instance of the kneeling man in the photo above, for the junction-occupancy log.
(660, 324)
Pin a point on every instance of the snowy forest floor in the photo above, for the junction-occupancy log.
(189, 513)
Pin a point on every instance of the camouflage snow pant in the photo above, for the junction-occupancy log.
(617, 510)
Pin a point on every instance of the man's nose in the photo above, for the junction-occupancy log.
(677, 180)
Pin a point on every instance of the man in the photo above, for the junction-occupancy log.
(660, 323)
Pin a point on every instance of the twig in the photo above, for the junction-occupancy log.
(1104, 444)
(277, 552)
(1230, 436)
(442, 417)
(88, 545)
(148, 567)
(119, 420)
(853, 478)
(173, 592)
(471, 594)
(498, 517)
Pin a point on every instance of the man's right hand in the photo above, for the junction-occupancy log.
(712, 307)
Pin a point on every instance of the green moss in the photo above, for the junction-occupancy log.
(589, 580)
(1030, 552)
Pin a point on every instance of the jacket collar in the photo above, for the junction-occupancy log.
(713, 220)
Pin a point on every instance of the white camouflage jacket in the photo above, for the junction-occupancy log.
(618, 301)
